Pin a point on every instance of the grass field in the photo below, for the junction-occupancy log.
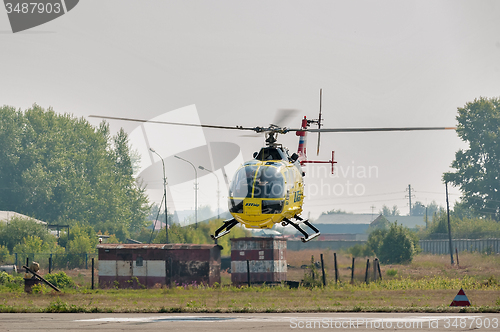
(428, 284)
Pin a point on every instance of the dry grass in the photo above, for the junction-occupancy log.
(475, 265)
(431, 295)
(246, 299)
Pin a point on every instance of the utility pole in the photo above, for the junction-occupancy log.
(164, 194)
(409, 196)
(449, 227)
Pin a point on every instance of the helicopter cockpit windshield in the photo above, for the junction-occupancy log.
(264, 182)
(267, 183)
(241, 187)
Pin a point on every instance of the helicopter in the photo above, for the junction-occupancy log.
(269, 189)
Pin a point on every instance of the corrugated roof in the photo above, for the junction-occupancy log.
(154, 246)
(7, 215)
(343, 228)
(409, 221)
(346, 218)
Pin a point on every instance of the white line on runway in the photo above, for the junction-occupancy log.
(152, 319)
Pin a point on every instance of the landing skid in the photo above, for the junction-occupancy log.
(306, 237)
(224, 229)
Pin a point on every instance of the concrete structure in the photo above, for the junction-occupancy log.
(153, 265)
(266, 256)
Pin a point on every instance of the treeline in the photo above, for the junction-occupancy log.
(394, 243)
(62, 170)
(25, 237)
(461, 228)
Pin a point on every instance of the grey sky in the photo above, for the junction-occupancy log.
(380, 63)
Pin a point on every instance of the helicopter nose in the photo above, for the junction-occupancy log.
(252, 206)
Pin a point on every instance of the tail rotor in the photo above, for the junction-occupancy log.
(319, 119)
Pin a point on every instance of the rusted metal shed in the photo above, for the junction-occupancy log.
(266, 256)
(153, 265)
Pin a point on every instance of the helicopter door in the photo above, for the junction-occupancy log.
(241, 188)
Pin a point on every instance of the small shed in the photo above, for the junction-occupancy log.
(154, 265)
(266, 257)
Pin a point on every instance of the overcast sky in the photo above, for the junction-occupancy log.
(379, 63)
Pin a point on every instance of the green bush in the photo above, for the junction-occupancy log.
(392, 272)
(312, 278)
(398, 245)
(39, 289)
(5, 256)
(11, 282)
(13, 232)
(5, 278)
(360, 250)
(60, 280)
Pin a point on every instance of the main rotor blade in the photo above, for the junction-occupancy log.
(174, 123)
(282, 116)
(351, 130)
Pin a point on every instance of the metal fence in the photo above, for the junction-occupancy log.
(58, 261)
(441, 247)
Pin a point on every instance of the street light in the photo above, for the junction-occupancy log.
(195, 190)
(164, 194)
(218, 192)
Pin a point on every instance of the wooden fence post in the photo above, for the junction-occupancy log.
(336, 269)
(352, 271)
(367, 268)
(323, 270)
(92, 272)
(248, 273)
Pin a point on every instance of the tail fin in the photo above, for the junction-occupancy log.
(301, 151)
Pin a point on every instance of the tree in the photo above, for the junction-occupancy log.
(35, 245)
(16, 229)
(387, 212)
(333, 211)
(477, 168)
(462, 228)
(57, 167)
(418, 209)
(376, 239)
(433, 208)
(398, 245)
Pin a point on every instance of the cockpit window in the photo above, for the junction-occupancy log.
(242, 182)
(269, 183)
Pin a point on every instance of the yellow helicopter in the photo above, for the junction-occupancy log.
(269, 189)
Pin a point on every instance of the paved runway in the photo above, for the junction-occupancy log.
(254, 322)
